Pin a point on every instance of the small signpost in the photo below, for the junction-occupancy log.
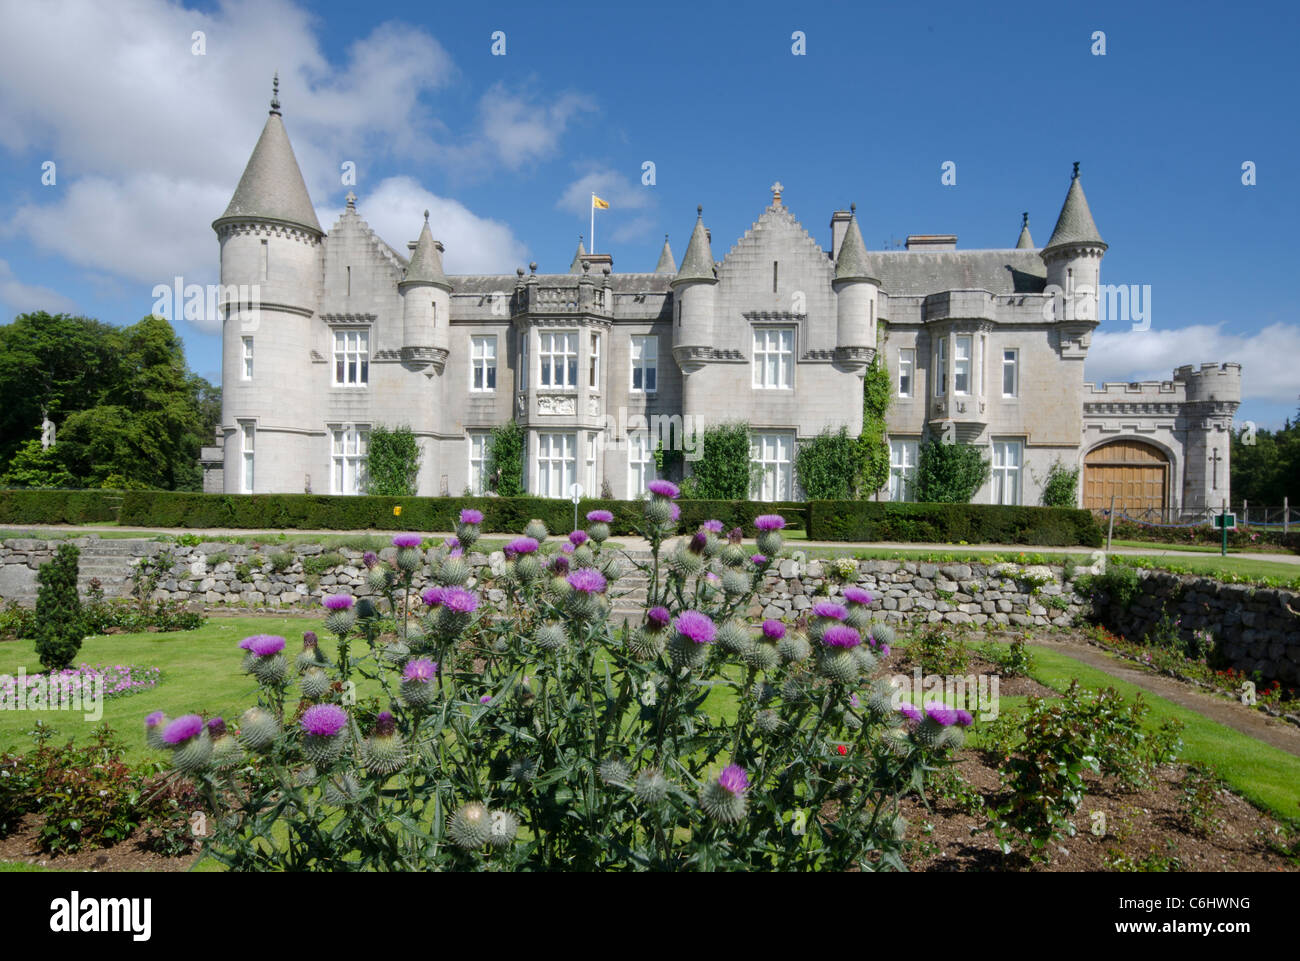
(576, 493)
(1226, 522)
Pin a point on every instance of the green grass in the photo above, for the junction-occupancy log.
(1159, 545)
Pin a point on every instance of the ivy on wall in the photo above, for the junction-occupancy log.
(873, 451)
(505, 466)
(723, 470)
(827, 465)
(1061, 487)
(392, 462)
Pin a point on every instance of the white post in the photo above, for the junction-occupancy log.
(593, 223)
(1286, 516)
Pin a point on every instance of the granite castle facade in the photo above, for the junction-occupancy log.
(983, 346)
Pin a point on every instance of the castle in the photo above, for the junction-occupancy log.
(984, 347)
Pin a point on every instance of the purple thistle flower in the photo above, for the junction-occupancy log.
(712, 578)
(600, 517)
(453, 542)
(459, 601)
(657, 618)
(247, 642)
(830, 610)
(853, 701)
(941, 714)
(841, 635)
(385, 725)
(407, 540)
(182, 729)
(735, 535)
(734, 780)
(909, 710)
(470, 516)
(456, 554)
(337, 602)
(758, 560)
(324, 720)
(696, 626)
(432, 596)
(964, 718)
(485, 699)
(522, 545)
(309, 640)
(560, 564)
(663, 488)
(588, 580)
(421, 669)
(856, 595)
(370, 558)
(675, 513)
(713, 527)
(769, 522)
(698, 540)
(266, 645)
(154, 719)
(217, 727)
(884, 650)
(578, 538)
(566, 547)
(773, 630)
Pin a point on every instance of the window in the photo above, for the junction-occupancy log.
(480, 447)
(590, 477)
(558, 357)
(902, 468)
(961, 364)
(774, 357)
(1007, 455)
(556, 464)
(266, 259)
(523, 360)
(351, 358)
(941, 367)
(645, 365)
(906, 370)
(773, 455)
(483, 363)
(247, 430)
(1010, 377)
(248, 357)
(640, 463)
(351, 444)
(593, 363)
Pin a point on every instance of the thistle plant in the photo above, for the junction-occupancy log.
(541, 734)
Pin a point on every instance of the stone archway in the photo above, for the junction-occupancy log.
(1135, 472)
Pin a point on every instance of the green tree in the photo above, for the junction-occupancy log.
(873, 450)
(827, 464)
(949, 473)
(392, 462)
(60, 625)
(35, 466)
(505, 466)
(722, 471)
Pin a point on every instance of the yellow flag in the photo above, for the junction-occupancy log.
(598, 204)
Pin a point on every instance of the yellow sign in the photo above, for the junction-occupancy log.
(397, 511)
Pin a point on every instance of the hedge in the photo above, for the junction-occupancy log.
(1203, 534)
(951, 523)
(58, 506)
(500, 514)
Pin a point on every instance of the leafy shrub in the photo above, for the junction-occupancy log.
(872, 448)
(1013, 660)
(1060, 489)
(550, 738)
(1119, 582)
(1199, 803)
(827, 465)
(17, 621)
(505, 459)
(937, 653)
(281, 561)
(243, 572)
(722, 471)
(60, 626)
(320, 563)
(950, 523)
(220, 557)
(392, 461)
(949, 473)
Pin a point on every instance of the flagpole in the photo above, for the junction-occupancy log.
(593, 222)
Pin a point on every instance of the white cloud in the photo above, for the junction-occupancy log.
(17, 297)
(522, 131)
(1267, 357)
(621, 192)
(474, 245)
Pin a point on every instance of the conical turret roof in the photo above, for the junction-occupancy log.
(698, 262)
(576, 266)
(666, 265)
(851, 264)
(1075, 225)
(1025, 242)
(426, 261)
(272, 187)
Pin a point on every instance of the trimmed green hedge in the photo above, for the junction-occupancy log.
(58, 506)
(500, 514)
(951, 523)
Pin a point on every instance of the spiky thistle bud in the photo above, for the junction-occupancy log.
(503, 828)
(384, 752)
(723, 799)
(763, 655)
(733, 637)
(470, 826)
(453, 571)
(768, 722)
(258, 728)
(315, 683)
(377, 579)
(614, 771)
(341, 789)
(735, 583)
(837, 664)
(650, 787)
(794, 648)
(550, 636)
(536, 529)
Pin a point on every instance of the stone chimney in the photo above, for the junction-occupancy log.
(839, 226)
(930, 242)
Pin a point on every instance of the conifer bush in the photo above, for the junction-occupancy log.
(546, 737)
(60, 623)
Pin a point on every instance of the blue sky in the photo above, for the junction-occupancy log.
(149, 140)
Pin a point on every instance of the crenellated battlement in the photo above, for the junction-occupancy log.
(1165, 391)
(1212, 382)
